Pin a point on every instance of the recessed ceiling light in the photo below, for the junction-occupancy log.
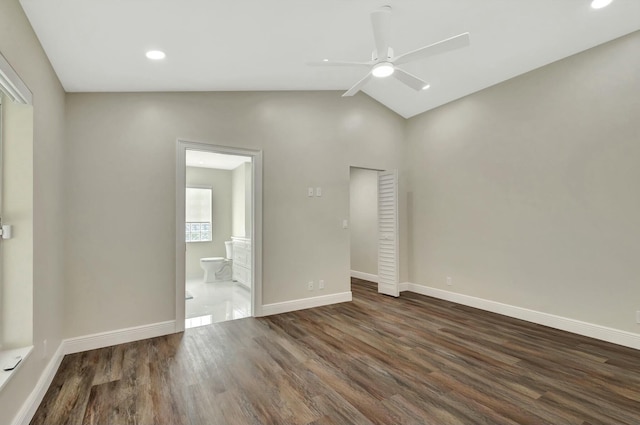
(325, 60)
(426, 86)
(382, 70)
(599, 4)
(156, 54)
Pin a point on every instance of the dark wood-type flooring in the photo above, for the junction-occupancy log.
(376, 360)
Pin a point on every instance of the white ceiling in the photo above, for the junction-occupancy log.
(219, 161)
(213, 45)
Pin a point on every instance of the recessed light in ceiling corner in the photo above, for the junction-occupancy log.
(155, 54)
(599, 4)
(426, 86)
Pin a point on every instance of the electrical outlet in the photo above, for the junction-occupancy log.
(449, 281)
(310, 285)
(318, 191)
(321, 284)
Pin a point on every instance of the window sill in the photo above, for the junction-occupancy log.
(9, 354)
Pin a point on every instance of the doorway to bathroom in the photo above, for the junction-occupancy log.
(217, 277)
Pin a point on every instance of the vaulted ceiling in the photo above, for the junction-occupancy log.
(213, 45)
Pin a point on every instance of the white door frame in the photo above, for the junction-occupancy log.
(182, 146)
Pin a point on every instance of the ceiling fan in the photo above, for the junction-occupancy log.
(384, 64)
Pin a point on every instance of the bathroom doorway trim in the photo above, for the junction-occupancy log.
(182, 146)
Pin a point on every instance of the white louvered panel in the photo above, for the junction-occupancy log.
(388, 233)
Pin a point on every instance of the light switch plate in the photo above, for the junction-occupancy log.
(310, 191)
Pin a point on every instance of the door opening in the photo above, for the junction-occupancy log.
(374, 228)
(363, 223)
(218, 216)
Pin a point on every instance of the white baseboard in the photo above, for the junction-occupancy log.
(29, 407)
(364, 276)
(603, 333)
(120, 336)
(301, 304)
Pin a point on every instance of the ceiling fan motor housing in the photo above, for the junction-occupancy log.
(374, 55)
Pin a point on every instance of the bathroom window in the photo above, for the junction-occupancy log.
(198, 214)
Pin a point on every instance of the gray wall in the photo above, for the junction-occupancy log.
(16, 261)
(241, 201)
(20, 47)
(120, 179)
(527, 193)
(363, 227)
(220, 182)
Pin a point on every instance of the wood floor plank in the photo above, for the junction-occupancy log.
(376, 360)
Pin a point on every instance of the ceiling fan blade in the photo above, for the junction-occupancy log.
(409, 79)
(339, 63)
(456, 42)
(357, 86)
(381, 23)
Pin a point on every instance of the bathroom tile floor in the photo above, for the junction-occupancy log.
(215, 302)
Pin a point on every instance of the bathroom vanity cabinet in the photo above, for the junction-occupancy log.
(242, 261)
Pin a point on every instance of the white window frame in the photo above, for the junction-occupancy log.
(192, 224)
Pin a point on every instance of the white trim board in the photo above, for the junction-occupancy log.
(364, 276)
(303, 303)
(12, 84)
(120, 336)
(603, 333)
(29, 407)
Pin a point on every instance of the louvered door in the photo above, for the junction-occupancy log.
(388, 275)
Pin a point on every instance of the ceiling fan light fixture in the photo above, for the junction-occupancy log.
(382, 70)
(599, 4)
(155, 54)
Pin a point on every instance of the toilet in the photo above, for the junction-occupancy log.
(218, 269)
